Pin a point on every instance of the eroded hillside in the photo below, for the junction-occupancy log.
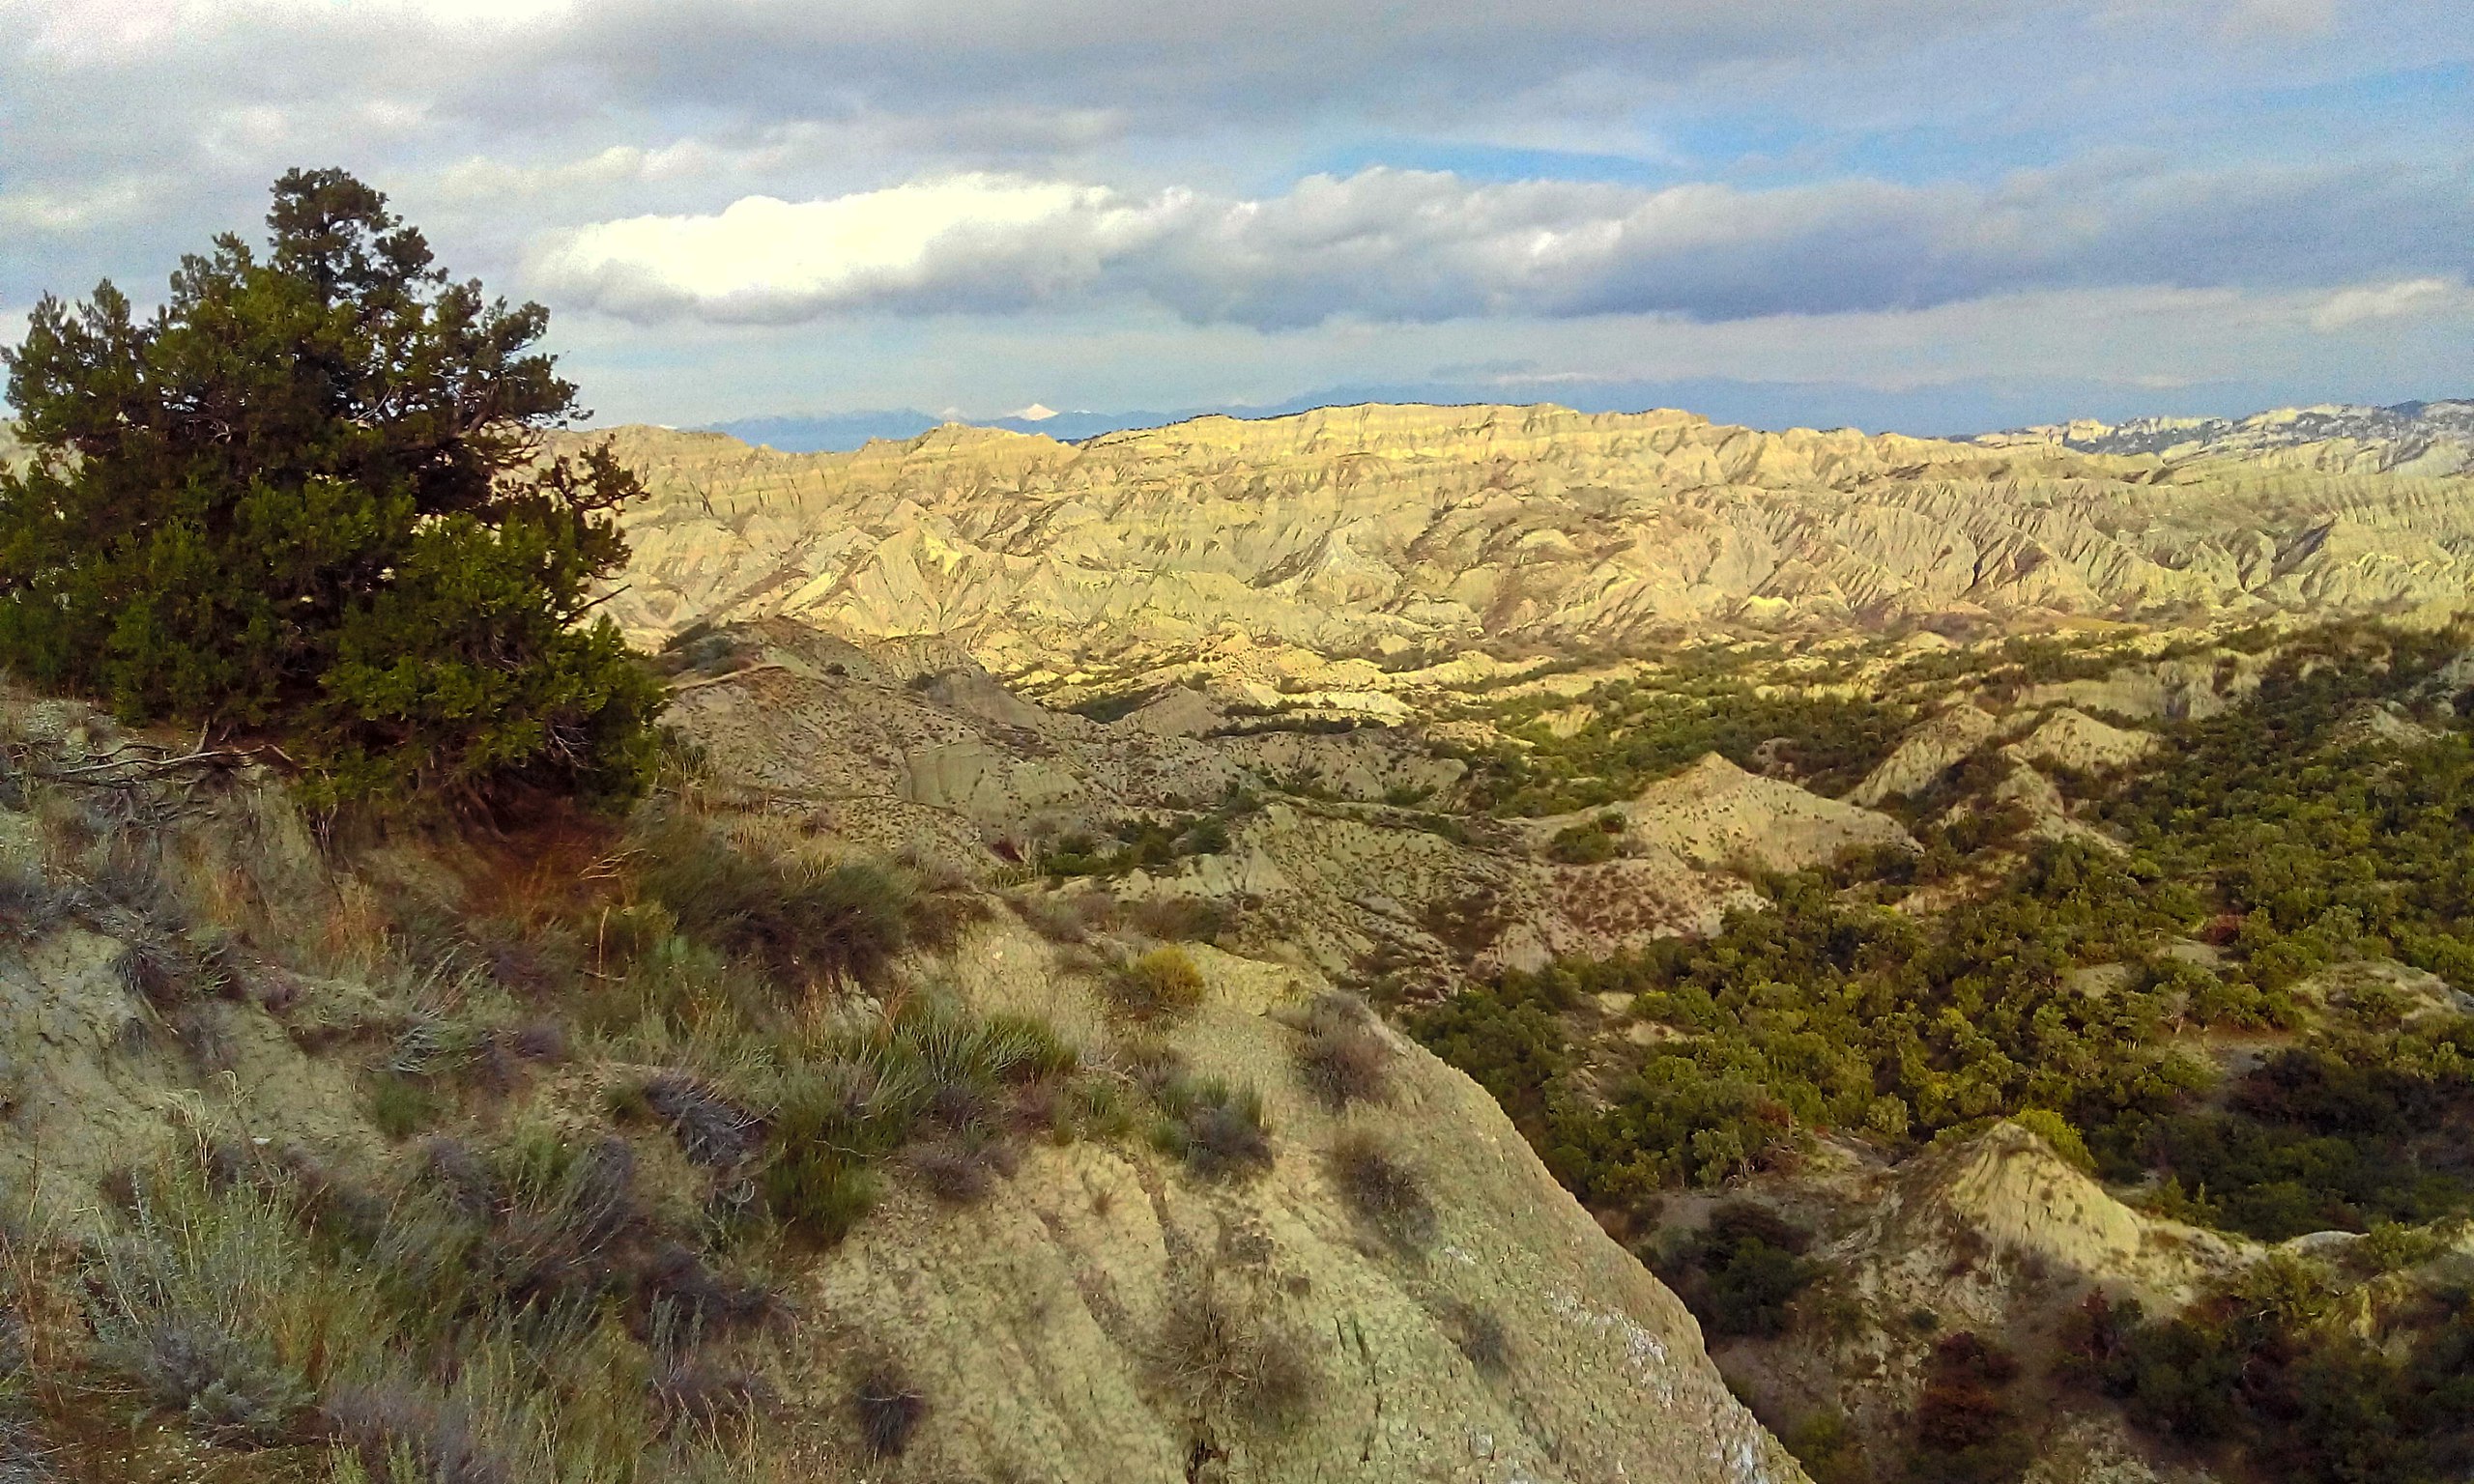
(1396, 533)
(723, 1146)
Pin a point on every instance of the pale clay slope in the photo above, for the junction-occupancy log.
(1715, 814)
(1042, 1308)
(1360, 528)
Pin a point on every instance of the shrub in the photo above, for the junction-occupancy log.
(1964, 1432)
(801, 921)
(1384, 1192)
(1480, 1335)
(710, 1129)
(1742, 1272)
(1162, 983)
(399, 1432)
(1589, 843)
(1344, 1057)
(2055, 1130)
(1219, 1129)
(304, 498)
(889, 1408)
(875, 1088)
(221, 1384)
(1230, 1362)
(1179, 919)
(401, 1106)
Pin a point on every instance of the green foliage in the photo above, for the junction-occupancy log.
(2348, 1131)
(799, 920)
(1966, 1430)
(303, 499)
(864, 1092)
(2264, 1365)
(2055, 1130)
(1146, 843)
(1740, 1272)
(1828, 1013)
(1161, 984)
(1585, 845)
(1218, 1127)
(401, 1106)
(1644, 732)
(1823, 1014)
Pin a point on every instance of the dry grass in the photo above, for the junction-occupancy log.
(1219, 1129)
(1161, 985)
(889, 1408)
(1381, 1189)
(1342, 1057)
(1231, 1362)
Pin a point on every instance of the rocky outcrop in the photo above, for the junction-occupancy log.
(1365, 530)
(2413, 437)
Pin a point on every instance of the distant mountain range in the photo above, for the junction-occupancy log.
(1769, 406)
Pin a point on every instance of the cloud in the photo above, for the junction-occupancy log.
(769, 261)
(1402, 245)
(2411, 298)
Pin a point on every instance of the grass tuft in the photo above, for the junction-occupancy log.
(1218, 1127)
(1159, 985)
(1384, 1192)
(1344, 1057)
(1229, 1361)
(889, 1408)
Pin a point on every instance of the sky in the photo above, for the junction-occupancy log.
(1936, 214)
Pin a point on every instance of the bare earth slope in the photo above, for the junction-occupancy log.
(1371, 528)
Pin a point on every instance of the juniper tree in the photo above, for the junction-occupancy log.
(308, 499)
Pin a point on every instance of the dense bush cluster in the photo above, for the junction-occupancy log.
(2265, 829)
(1823, 1013)
(1639, 731)
(2267, 1367)
(1742, 1270)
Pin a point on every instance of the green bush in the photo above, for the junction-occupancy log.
(801, 921)
(1161, 983)
(303, 501)
(1588, 843)
(1742, 1272)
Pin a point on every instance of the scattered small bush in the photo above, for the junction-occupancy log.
(1589, 843)
(1179, 919)
(401, 1106)
(1219, 1129)
(929, 1066)
(711, 1130)
(1344, 1057)
(1740, 1272)
(1230, 1362)
(889, 1408)
(1964, 1430)
(1480, 1335)
(222, 1385)
(799, 920)
(1161, 983)
(1384, 1192)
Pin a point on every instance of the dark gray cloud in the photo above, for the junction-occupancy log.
(1418, 245)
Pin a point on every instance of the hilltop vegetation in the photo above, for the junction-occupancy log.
(304, 502)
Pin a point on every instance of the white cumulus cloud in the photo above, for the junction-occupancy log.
(1408, 245)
